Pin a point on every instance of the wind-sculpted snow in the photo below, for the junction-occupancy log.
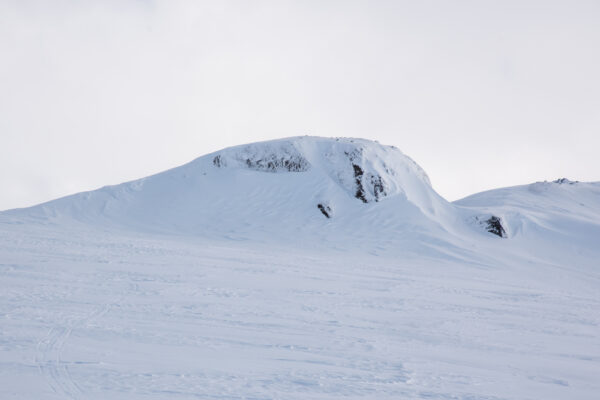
(277, 157)
(304, 268)
(364, 169)
(265, 189)
(562, 211)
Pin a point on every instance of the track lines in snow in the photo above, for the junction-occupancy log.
(49, 352)
(237, 320)
(50, 364)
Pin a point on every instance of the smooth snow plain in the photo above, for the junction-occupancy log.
(222, 279)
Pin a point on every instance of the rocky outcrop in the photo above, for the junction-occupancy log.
(369, 186)
(565, 181)
(365, 170)
(273, 163)
(325, 209)
(494, 225)
(283, 157)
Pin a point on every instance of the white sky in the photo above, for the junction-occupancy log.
(481, 94)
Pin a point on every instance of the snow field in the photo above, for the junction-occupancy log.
(223, 279)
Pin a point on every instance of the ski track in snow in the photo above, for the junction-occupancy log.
(143, 318)
(49, 352)
(48, 358)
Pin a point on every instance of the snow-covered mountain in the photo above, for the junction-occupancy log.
(302, 268)
(327, 191)
(277, 185)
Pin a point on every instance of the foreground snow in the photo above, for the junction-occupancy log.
(219, 280)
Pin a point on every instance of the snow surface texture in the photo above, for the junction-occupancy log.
(302, 268)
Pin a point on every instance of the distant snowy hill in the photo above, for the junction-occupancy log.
(274, 185)
(560, 218)
(324, 190)
(301, 268)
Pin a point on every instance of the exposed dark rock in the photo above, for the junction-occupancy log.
(218, 161)
(378, 187)
(326, 210)
(360, 190)
(563, 181)
(369, 187)
(494, 225)
(357, 171)
(273, 164)
(373, 181)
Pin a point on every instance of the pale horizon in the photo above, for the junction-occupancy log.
(481, 95)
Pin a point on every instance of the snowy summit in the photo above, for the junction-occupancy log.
(258, 183)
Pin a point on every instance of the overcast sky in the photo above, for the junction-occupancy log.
(481, 94)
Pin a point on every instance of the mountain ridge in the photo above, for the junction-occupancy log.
(355, 190)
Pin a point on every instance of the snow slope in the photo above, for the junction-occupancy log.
(264, 184)
(302, 268)
(560, 219)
